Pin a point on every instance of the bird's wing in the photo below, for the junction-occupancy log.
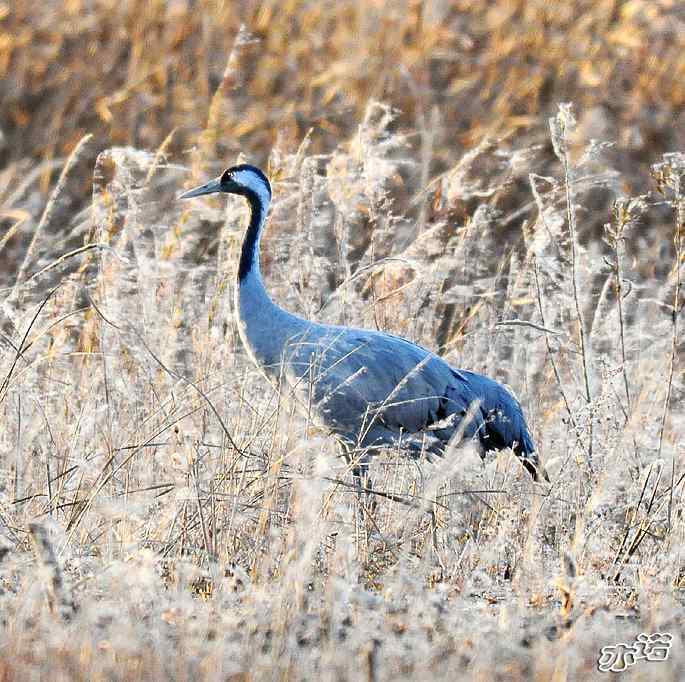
(361, 378)
(373, 388)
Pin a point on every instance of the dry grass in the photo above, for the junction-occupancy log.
(163, 515)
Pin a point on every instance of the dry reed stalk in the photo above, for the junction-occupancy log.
(560, 127)
(49, 207)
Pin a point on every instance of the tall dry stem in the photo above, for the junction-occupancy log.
(560, 127)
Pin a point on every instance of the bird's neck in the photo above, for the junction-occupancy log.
(264, 327)
(250, 282)
(249, 255)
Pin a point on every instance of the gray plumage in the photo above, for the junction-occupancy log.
(368, 388)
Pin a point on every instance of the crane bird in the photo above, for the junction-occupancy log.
(370, 389)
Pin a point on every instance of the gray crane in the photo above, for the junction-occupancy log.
(370, 389)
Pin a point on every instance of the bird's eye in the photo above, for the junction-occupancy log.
(226, 176)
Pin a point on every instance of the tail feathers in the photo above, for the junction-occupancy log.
(532, 464)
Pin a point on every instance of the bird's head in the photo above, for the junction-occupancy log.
(245, 180)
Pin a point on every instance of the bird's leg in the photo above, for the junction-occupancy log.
(360, 470)
(360, 514)
(358, 461)
(362, 479)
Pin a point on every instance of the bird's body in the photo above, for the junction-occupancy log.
(371, 389)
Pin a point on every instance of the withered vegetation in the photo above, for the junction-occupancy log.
(501, 181)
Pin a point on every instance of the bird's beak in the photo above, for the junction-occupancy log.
(208, 188)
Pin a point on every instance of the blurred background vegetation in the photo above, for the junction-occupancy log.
(180, 73)
(427, 182)
(199, 83)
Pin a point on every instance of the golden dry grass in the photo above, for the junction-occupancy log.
(165, 516)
